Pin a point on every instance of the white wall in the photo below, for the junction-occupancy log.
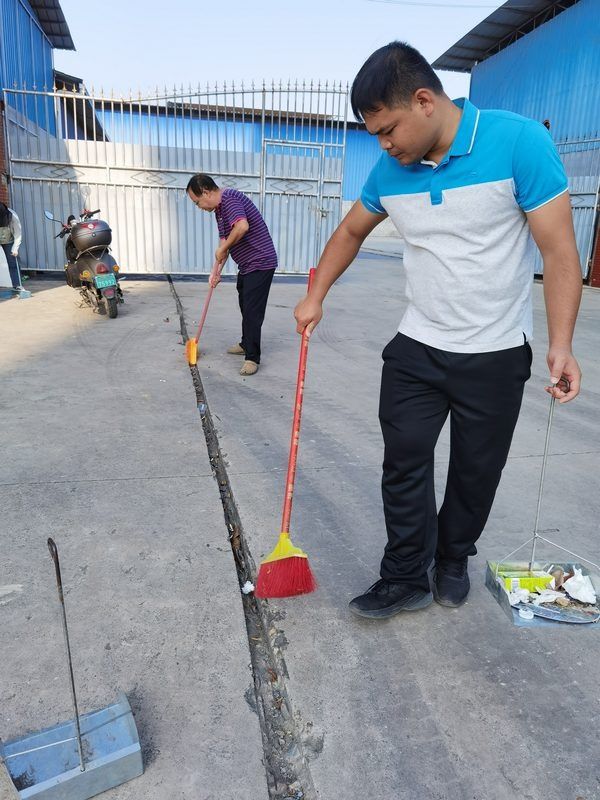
(386, 228)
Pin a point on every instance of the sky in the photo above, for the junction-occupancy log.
(131, 44)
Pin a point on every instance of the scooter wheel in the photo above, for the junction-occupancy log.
(112, 307)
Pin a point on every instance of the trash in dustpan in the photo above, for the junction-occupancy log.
(549, 603)
(78, 759)
(535, 594)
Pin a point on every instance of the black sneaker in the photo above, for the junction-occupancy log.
(451, 582)
(384, 599)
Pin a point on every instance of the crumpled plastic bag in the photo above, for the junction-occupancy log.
(518, 596)
(580, 587)
(547, 596)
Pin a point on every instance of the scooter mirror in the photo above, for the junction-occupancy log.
(48, 215)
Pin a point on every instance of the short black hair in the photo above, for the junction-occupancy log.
(390, 77)
(201, 182)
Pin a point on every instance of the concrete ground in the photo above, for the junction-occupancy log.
(443, 703)
(104, 451)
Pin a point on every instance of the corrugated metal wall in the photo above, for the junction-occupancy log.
(552, 73)
(26, 58)
(26, 52)
(362, 151)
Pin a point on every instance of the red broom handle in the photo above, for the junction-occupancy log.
(293, 459)
(204, 312)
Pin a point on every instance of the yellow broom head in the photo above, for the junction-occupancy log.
(283, 549)
(191, 351)
(285, 572)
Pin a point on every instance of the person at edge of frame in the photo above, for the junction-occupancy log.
(244, 235)
(466, 189)
(10, 241)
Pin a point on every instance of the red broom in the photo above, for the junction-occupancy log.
(285, 572)
(191, 346)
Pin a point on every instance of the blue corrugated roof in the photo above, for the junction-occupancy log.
(514, 19)
(53, 23)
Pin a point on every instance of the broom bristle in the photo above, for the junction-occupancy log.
(285, 577)
(191, 351)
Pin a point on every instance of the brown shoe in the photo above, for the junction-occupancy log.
(236, 350)
(249, 368)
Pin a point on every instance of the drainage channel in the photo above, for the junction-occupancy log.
(285, 739)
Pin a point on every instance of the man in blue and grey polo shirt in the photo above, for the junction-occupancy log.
(467, 190)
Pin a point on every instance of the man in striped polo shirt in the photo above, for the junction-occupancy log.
(467, 190)
(245, 237)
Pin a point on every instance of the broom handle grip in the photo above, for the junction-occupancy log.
(293, 459)
(204, 311)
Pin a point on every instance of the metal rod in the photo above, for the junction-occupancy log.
(343, 164)
(173, 119)
(158, 154)
(95, 127)
(47, 126)
(218, 133)
(570, 552)
(512, 552)
(104, 149)
(141, 127)
(130, 214)
(131, 131)
(54, 553)
(144, 254)
(75, 133)
(542, 476)
(122, 167)
(234, 127)
(85, 130)
(36, 103)
(208, 126)
(189, 149)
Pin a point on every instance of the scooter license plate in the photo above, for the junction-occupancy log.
(102, 281)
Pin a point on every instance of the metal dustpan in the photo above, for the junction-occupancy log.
(80, 758)
(528, 614)
(46, 764)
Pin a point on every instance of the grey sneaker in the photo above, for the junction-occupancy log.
(384, 599)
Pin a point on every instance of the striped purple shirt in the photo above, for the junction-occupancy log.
(255, 249)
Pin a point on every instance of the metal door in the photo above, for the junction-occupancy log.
(300, 195)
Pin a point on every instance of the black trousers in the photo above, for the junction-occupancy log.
(420, 386)
(253, 293)
(12, 264)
